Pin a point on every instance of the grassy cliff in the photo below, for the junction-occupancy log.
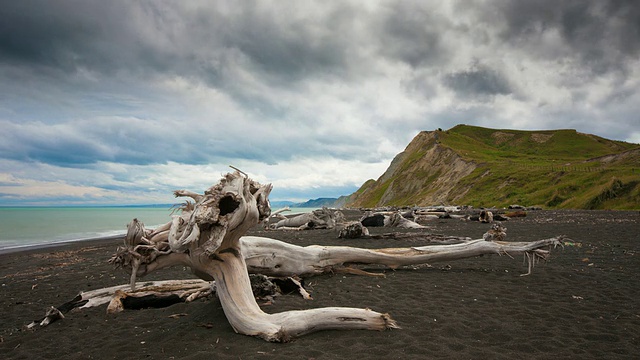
(470, 165)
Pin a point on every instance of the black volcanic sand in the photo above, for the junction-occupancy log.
(584, 303)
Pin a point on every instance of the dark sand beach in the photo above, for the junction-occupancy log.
(583, 304)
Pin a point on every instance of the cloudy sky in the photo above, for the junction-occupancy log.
(121, 102)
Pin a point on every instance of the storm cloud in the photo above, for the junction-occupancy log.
(124, 101)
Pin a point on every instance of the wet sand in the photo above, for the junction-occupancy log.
(584, 303)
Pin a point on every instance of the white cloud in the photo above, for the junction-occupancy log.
(27, 190)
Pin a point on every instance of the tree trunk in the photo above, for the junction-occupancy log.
(272, 257)
(276, 258)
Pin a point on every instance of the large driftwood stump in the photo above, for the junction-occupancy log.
(207, 238)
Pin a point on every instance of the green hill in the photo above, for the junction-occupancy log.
(470, 165)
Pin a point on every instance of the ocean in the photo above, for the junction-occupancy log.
(22, 227)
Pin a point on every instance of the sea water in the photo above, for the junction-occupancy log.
(33, 226)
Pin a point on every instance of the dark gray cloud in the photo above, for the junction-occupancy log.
(602, 35)
(478, 81)
(66, 35)
(411, 32)
(166, 37)
(286, 47)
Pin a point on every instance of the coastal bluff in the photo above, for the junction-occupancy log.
(482, 167)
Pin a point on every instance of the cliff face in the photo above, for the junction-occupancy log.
(424, 173)
(468, 165)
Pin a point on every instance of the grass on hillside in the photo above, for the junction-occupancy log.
(552, 169)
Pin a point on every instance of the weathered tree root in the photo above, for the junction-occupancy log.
(206, 237)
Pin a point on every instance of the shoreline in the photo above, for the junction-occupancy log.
(59, 245)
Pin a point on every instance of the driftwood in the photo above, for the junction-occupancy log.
(275, 215)
(277, 258)
(353, 230)
(486, 216)
(207, 236)
(318, 219)
(158, 294)
(389, 219)
(150, 294)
